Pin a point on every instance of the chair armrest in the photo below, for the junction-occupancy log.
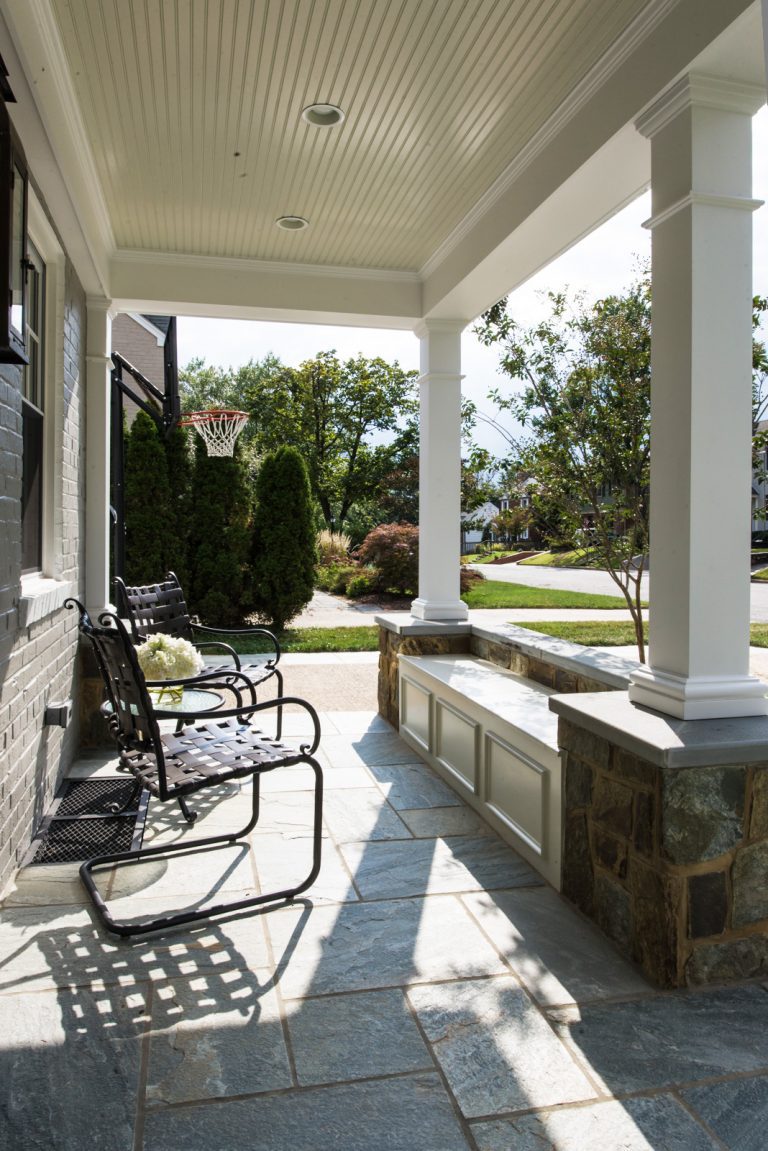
(279, 701)
(251, 631)
(220, 646)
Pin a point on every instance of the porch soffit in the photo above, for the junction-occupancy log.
(177, 128)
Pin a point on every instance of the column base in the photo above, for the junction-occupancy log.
(706, 697)
(434, 609)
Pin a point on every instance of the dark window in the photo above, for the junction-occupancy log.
(13, 235)
(32, 407)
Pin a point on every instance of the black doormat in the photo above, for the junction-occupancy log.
(83, 822)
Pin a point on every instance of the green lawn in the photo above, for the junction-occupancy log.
(312, 639)
(760, 575)
(614, 633)
(576, 558)
(487, 557)
(495, 593)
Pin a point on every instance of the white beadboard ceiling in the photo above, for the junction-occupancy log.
(193, 108)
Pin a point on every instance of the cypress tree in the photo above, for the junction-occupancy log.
(147, 502)
(179, 484)
(283, 555)
(219, 539)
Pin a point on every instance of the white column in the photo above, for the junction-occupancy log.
(701, 149)
(97, 408)
(440, 471)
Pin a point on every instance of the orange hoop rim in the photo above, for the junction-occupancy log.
(205, 417)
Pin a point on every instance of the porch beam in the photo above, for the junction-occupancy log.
(440, 471)
(97, 427)
(700, 133)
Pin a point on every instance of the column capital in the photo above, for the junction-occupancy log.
(698, 91)
(427, 327)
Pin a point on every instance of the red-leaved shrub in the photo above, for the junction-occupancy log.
(393, 549)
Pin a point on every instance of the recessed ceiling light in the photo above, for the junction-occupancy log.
(292, 223)
(323, 115)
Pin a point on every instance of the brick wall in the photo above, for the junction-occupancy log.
(38, 662)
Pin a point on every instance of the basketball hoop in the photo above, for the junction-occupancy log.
(219, 428)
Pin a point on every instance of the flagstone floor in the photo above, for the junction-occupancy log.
(429, 993)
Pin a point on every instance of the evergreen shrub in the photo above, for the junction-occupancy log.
(219, 587)
(284, 552)
(148, 517)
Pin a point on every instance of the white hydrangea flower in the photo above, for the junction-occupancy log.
(165, 657)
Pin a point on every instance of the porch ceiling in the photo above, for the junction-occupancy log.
(177, 131)
(193, 115)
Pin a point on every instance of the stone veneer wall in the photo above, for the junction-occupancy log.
(505, 653)
(671, 862)
(391, 645)
(38, 659)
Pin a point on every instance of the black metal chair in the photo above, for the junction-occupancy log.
(161, 607)
(204, 754)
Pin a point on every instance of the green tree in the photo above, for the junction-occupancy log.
(331, 412)
(148, 519)
(284, 549)
(585, 399)
(219, 584)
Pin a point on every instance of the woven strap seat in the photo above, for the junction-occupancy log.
(161, 607)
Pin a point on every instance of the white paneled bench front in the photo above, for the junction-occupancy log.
(489, 733)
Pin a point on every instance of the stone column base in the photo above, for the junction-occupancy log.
(666, 836)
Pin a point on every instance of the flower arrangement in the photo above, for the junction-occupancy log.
(165, 657)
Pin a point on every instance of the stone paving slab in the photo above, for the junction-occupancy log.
(371, 749)
(657, 1124)
(206, 1046)
(383, 1115)
(52, 1041)
(414, 785)
(530, 928)
(357, 1036)
(670, 1039)
(282, 863)
(496, 1050)
(51, 947)
(361, 946)
(436, 866)
(361, 816)
(433, 822)
(737, 1112)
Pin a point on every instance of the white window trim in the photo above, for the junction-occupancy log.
(44, 592)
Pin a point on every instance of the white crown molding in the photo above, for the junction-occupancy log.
(428, 326)
(236, 265)
(608, 66)
(704, 200)
(697, 91)
(36, 34)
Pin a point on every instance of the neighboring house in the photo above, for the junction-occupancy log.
(760, 484)
(474, 526)
(141, 340)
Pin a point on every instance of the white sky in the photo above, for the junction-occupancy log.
(604, 262)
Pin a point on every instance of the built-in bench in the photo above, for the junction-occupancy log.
(490, 734)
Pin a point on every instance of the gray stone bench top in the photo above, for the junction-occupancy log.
(520, 702)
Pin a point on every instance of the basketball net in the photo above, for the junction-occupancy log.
(218, 427)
